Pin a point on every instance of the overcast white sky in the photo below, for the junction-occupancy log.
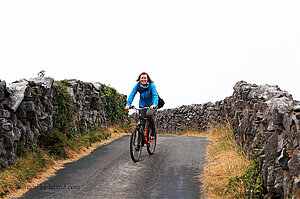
(195, 51)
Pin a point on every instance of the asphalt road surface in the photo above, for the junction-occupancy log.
(109, 172)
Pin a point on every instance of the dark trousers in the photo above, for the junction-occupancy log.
(148, 113)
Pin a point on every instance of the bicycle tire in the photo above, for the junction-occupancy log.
(135, 145)
(151, 143)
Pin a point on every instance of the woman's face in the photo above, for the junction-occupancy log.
(143, 79)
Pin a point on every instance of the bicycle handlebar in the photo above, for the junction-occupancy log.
(133, 107)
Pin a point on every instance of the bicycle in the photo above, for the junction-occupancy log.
(140, 137)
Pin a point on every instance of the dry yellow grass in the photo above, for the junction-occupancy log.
(187, 133)
(224, 160)
(12, 174)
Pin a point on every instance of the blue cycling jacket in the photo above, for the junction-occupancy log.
(147, 98)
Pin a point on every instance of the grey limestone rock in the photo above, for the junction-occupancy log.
(46, 82)
(2, 90)
(16, 92)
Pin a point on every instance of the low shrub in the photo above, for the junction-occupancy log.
(249, 184)
(56, 143)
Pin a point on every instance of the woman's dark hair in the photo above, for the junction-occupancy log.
(148, 77)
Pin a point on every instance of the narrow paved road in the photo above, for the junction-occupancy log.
(108, 172)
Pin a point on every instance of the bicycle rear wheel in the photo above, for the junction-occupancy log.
(135, 145)
(151, 140)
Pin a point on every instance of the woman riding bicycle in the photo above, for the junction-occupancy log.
(148, 98)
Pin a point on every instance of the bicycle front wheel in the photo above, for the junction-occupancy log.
(151, 143)
(135, 145)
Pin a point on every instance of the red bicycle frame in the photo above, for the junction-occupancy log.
(145, 135)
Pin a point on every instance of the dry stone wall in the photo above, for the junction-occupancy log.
(29, 109)
(265, 121)
(264, 118)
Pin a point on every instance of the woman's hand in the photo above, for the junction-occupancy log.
(152, 107)
(127, 107)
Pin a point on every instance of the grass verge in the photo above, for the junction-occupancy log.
(36, 165)
(225, 162)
